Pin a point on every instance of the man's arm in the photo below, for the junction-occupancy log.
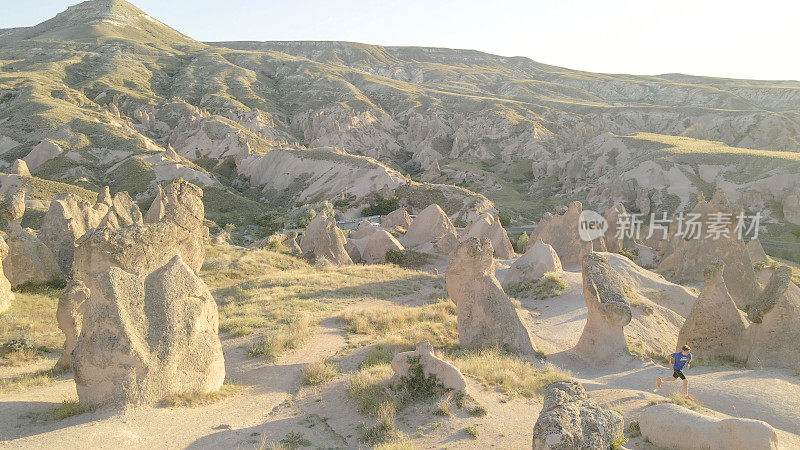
(689, 362)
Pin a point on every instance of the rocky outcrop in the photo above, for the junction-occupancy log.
(6, 296)
(147, 335)
(561, 232)
(365, 229)
(608, 311)
(775, 331)
(397, 218)
(756, 252)
(13, 209)
(715, 328)
(569, 420)
(69, 218)
(791, 206)
(486, 316)
(41, 153)
(671, 426)
(18, 167)
(489, 226)
(447, 375)
(70, 319)
(378, 243)
(537, 260)
(431, 230)
(158, 208)
(686, 258)
(123, 212)
(325, 240)
(30, 260)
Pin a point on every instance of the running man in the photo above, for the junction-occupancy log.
(679, 360)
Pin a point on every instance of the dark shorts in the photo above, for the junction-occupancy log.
(678, 374)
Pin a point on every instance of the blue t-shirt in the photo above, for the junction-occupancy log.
(680, 360)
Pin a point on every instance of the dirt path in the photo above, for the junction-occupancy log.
(155, 427)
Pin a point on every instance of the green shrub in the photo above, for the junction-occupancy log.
(521, 243)
(628, 254)
(550, 285)
(380, 206)
(410, 259)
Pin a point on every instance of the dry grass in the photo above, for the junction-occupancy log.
(288, 336)
(369, 389)
(69, 408)
(318, 373)
(509, 373)
(403, 327)
(384, 429)
(194, 399)
(26, 381)
(549, 285)
(32, 316)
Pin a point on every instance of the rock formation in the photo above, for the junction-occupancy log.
(104, 197)
(6, 296)
(70, 319)
(365, 229)
(608, 311)
(41, 153)
(756, 252)
(431, 230)
(486, 316)
(686, 259)
(158, 208)
(676, 427)
(146, 336)
(397, 218)
(775, 331)
(569, 420)
(561, 232)
(488, 226)
(123, 212)
(446, 374)
(378, 243)
(18, 167)
(325, 240)
(69, 218)
(714, 326)
(537, 260)
(13, 209)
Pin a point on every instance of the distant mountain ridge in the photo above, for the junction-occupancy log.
(115, 87)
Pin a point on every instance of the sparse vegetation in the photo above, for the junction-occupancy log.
(633, 429)
(286, 337)
(195, 399)
(509, 373)
(472, 431)
(619, 441)
(549, 285)
(294, 440)
(318, 373)
(384, 430)
(69, 408)
(410, 259)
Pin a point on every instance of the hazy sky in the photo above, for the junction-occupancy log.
(754, 39)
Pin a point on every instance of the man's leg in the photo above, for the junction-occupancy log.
(660, 380)
(685, 387)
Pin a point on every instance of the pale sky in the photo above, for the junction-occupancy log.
(753, 39)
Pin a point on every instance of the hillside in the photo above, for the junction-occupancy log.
(279, 123)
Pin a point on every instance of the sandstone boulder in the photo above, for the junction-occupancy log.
(18, 167)
(70, 319)
(158, 208)
(325, 240)
(123, 212)
(353, 251)
(431, 230)
(6, 296)
(608, 311)
(775, 331)
(365, 229)
(686, 258)
(13, 209)
(537, 260)
(569, 420)
(30, 260)
(446, 374)
(714, 326)
(378, 243)
(104, 197)
(561, 232)
(147, 335)
(41, 153)
(671, 426)
(756, 252)
(69, 218)
(488, 226)
(397, 218)
(486, 316)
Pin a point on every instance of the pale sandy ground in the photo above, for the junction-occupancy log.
(275, 404)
